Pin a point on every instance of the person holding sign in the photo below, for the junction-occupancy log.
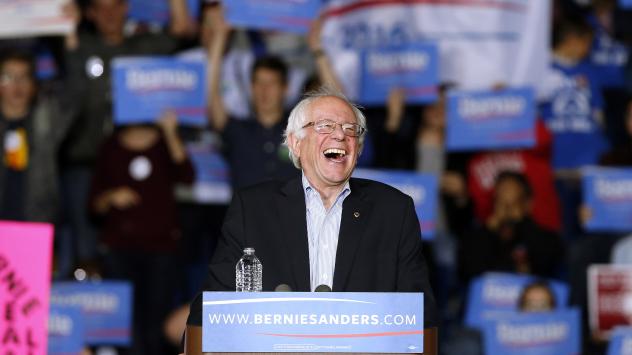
(252, 147)
(32, 127)
(132, 193)
(510, 240)
(87, 58)
(326, 228)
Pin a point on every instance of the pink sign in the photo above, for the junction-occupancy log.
(25, 275)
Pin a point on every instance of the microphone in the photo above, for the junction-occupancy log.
(283, 288)
(322, 288)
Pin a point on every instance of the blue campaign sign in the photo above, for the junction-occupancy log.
(608, 194)
(145, 87)
(212, 178)
(312, 322)
(282, 15)
(106, 309)
(413, 68)
(626, 4)
(620, 341)
(550, 333)
(495, 295)
(65, 330)
(486, 120)
(157, 11)
(423, 188)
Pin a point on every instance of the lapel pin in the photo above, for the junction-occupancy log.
(356, 214)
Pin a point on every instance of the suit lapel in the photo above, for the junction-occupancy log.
(355, 217)
(291, 204)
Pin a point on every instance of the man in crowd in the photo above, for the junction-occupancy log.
(510, 240)
(252, 146)
(325, 228)
(88, 59)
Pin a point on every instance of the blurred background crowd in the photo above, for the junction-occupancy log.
(110, 189)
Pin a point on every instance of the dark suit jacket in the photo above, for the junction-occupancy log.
(379, 244)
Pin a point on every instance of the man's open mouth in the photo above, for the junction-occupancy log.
(335, 154)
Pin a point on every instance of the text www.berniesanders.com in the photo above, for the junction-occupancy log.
(312, 319)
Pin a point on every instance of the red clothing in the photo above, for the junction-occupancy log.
(152, 224)
(534, 163)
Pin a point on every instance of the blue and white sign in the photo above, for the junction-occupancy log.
(422, 188)
(485, 120)
(495, 295)
(550, 333)
(626, 4)
(312, 322)
(157, 11)
(413, 68)
(212, 175)
(145, 87)
(106, 309)
(620, 341)
(608, 194)
(281, 15)
(65, 330)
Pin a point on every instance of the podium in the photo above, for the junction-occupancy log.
(193, 343)
(307, 322)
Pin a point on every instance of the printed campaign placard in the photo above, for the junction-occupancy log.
(423, 188)
(25, 272)
(145, 87)
(65, 330)
(312, 322)
(33, 18)
(495, 295)
(212, 173)
(620, 341)
(157, 11)
(106, 309)
(608, 195)
(282, 15)
(481, 43)
(626, 4)
(413, 68)
(486, 120)
(609, 294)
(538, 333)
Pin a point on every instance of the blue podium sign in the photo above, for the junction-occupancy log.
(551, 333)
(106, 309)
(608, 194)
(144, 87)
(413, 68)
(282, 15)
(312, 322)
(482, 120)
(65, 330)
(423, 188)
(620, 341)
(495, 295)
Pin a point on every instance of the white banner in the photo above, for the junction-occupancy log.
(481, 42)
(21, 18)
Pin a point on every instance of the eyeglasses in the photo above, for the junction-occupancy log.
(328, 126)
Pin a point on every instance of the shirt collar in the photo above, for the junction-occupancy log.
(309, 190)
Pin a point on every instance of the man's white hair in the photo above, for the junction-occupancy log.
(299, 117)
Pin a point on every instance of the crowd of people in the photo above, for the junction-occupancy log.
(108, 189)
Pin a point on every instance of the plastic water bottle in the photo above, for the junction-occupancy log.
(249, 272)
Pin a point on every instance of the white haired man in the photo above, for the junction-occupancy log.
(325, 228)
